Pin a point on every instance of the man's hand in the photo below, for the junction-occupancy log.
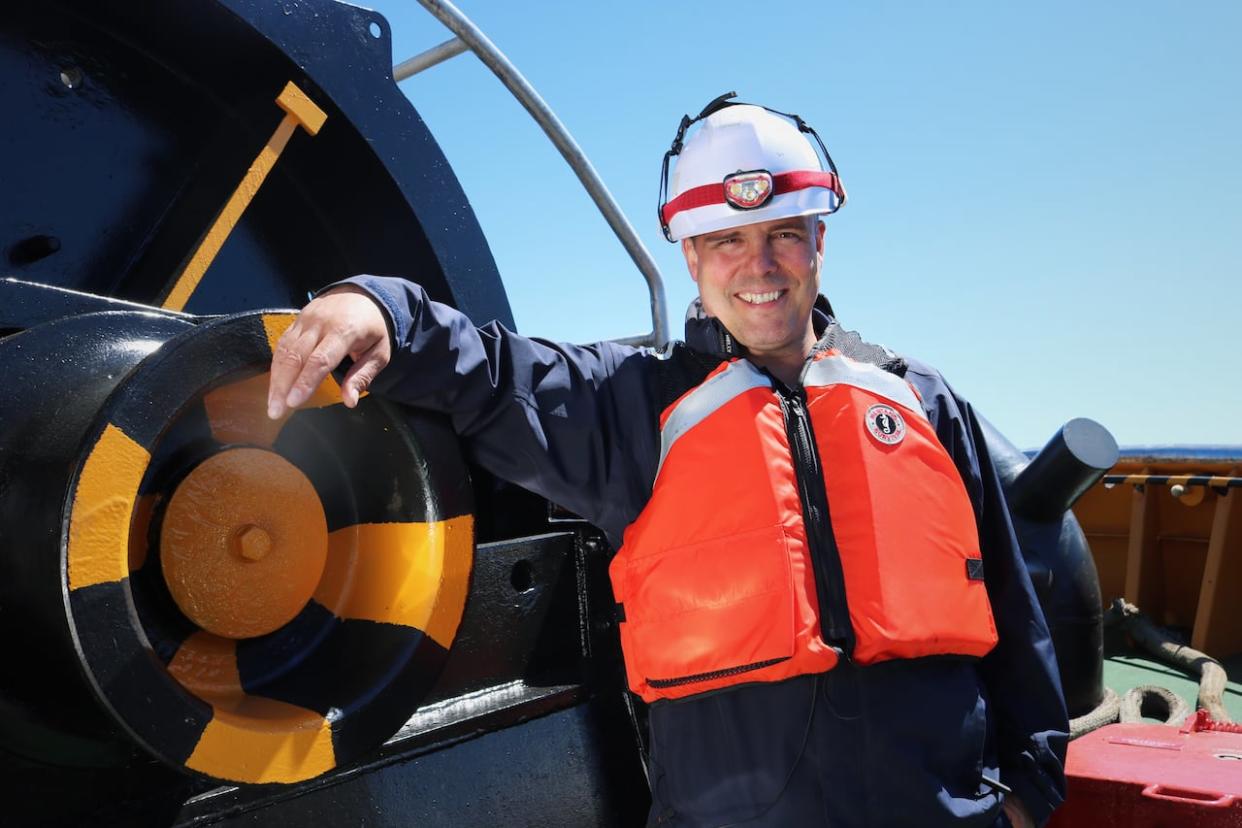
(342, 322)
(1017, 812)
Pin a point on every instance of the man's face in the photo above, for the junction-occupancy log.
(760, 281)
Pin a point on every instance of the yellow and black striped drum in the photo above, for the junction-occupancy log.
(255, 600)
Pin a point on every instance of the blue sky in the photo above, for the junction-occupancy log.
(1044, 198)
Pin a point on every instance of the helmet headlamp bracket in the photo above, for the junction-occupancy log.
(748, 189)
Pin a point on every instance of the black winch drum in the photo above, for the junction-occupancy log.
(381, 492)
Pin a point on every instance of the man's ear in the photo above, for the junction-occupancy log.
(692, 258)
(819, 236)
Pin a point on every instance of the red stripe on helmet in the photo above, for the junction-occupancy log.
(788, 182)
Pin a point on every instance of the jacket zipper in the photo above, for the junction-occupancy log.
(715, 674)
(834, 617)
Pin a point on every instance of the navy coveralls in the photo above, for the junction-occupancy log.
(902, 743)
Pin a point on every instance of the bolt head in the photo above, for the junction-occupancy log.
(253, 543)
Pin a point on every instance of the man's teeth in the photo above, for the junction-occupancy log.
(760, 298)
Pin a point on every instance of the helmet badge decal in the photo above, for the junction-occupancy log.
(748, 190)
(885, 424)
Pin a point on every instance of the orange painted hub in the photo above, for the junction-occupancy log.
(243, 543)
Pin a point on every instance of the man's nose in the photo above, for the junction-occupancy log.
(762, 262)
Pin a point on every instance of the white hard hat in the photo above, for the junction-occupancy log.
(745, 164)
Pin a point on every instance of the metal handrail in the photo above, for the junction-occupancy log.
(468, 36)
(425, 60)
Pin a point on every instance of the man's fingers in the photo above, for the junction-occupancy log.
(363, 372)
(341, 321)
(317, 365)
(288, 360)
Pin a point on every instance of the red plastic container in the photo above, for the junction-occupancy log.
(1155, 776)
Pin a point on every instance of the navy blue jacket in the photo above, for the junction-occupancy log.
(901, 743)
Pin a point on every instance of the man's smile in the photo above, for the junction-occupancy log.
(761, 298)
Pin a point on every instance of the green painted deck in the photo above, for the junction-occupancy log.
(1123, 672)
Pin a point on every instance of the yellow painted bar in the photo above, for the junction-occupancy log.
(206, 665)
(103, 506)
(455, 580)
(187, 281)
(413, 574)
(249, 739)
(299, 111)
(275, 325)
(264, 741)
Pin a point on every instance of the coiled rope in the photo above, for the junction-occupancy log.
(1153, 700)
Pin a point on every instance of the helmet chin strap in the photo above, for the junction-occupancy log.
(715, 105)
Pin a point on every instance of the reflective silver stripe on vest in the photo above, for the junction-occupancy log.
(703, 401)
(836, 370)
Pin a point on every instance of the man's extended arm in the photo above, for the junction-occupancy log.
(571, 423)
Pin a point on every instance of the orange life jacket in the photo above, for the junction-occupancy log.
(720, 582)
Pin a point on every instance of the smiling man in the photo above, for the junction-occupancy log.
(819, 591)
